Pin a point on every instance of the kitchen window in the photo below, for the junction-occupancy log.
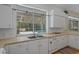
(74, 24)
(31, 22)
(39, 23)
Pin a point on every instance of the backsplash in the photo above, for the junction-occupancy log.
(56, 30)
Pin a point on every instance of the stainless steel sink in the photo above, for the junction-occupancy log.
(31, 37)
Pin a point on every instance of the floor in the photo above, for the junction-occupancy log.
(67, 50)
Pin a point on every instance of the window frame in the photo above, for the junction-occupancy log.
(33, 21)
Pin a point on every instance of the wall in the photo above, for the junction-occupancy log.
(75, 14)
(71, 13)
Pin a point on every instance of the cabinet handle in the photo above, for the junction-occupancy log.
(50, 42)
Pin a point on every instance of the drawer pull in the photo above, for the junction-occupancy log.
(50, 42)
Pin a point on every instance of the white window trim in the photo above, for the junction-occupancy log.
(37, 9)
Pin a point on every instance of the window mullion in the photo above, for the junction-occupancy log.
(33, 22)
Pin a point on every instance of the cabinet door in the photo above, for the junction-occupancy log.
(58, 42)
(5, 16)
(19, 48)
(64, 41)
(43, 46)
(33, 47)
(72, 41)
(52, 45)
(61, 42)
(77, 42)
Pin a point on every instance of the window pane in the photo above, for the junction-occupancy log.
(39, 23)
(30, 22)
(24, 22)
(73, 25)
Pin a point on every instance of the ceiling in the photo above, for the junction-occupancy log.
(72, 7)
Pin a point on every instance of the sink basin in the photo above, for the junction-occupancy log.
(35, 37)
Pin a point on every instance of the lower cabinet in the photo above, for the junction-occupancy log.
(77, 43)
(62, 41)
(52, 45)
(38, 46)
(17, 48)
(43, 46)
(57, 43)
(32, 47)
(74, 41)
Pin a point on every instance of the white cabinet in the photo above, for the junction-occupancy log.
(57, 43)
(65, 40)
(43, 46)
(62, 41)
(18, 48)
(57, 20)
(38, 46)
(74, 41)
(5, 16)
(77, 42)
(33, 47)
(52, 45)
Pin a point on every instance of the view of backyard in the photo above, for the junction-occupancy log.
(25, 22)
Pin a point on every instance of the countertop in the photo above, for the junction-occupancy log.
(19, 39)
